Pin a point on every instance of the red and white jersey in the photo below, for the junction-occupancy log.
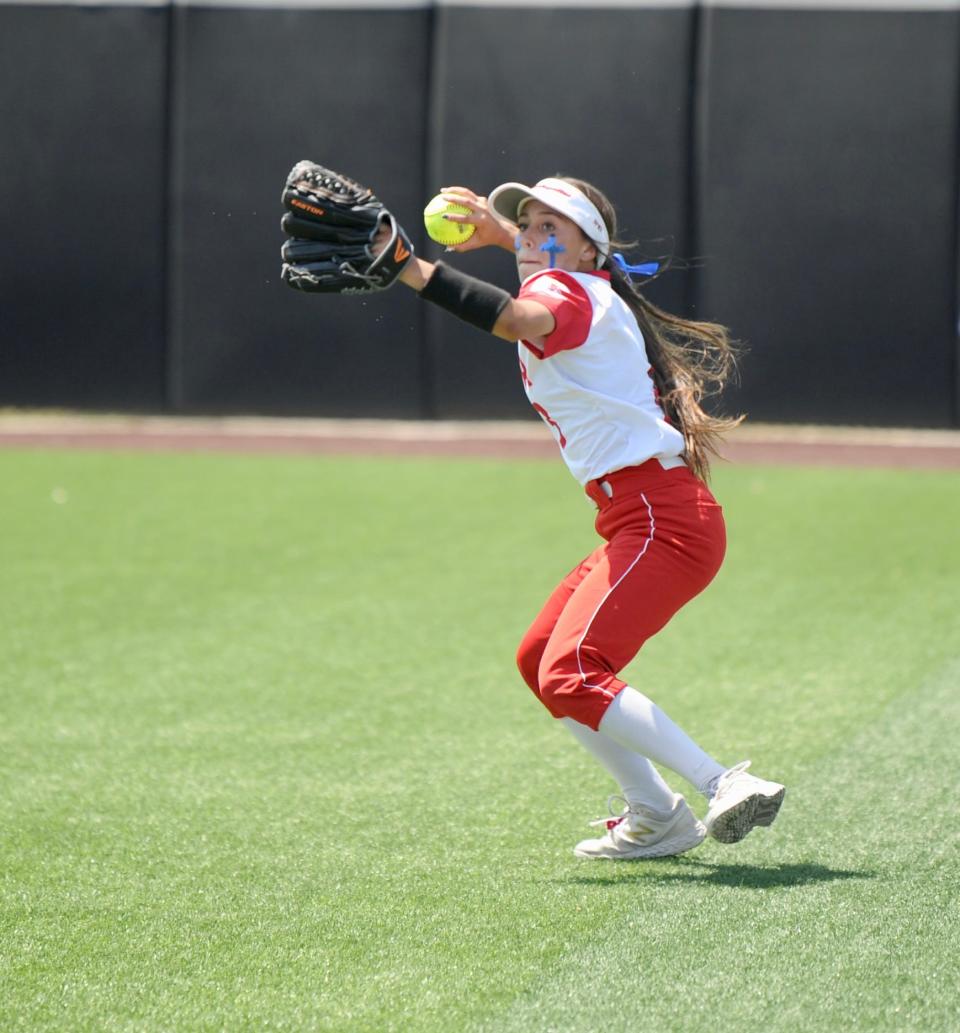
(591, 380)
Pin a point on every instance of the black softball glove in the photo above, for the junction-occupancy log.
(332, 221)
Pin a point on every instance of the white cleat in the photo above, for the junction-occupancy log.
(740, 803)
(638, 833)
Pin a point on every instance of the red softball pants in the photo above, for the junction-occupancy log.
(664, 541)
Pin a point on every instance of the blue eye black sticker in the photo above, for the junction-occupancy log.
(554, 248)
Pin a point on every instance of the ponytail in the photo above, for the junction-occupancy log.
(691, 361)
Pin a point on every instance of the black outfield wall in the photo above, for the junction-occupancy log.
(827, 200)
(800, 156)
(254, 92)
(83, 215)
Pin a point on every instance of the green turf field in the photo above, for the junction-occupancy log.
(266, 764)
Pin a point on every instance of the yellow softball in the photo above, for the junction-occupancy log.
(442, 231)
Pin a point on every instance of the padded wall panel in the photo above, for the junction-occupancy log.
(257, 90)
(602, 94)
(829, 210)
(82, 112)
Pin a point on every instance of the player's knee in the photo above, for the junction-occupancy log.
(561, 685)
(529, 654)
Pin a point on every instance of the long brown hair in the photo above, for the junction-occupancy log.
(690, 360)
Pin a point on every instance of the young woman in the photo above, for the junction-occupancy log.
(619, 382)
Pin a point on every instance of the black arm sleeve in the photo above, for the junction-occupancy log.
(472, 300)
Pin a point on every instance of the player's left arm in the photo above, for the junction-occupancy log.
(520, 318)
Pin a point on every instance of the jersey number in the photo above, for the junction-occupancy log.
(553, 423)
(540, 409)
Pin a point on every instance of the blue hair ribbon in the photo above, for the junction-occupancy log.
(644, 269)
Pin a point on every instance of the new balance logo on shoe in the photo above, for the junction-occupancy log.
(638, 833)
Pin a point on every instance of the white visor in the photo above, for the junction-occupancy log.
(508, 199)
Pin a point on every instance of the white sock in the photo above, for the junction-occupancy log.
(639, 781)
(640, 725)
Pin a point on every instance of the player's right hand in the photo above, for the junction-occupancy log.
(491, 230)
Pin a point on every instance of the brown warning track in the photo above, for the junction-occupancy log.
(759, 443)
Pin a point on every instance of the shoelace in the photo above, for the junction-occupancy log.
(615, 819)
(729, 774)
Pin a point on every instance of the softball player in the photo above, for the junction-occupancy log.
(619, 384)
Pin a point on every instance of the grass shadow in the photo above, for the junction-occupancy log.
(741, 876)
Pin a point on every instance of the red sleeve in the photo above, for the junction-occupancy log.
(570, 306)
